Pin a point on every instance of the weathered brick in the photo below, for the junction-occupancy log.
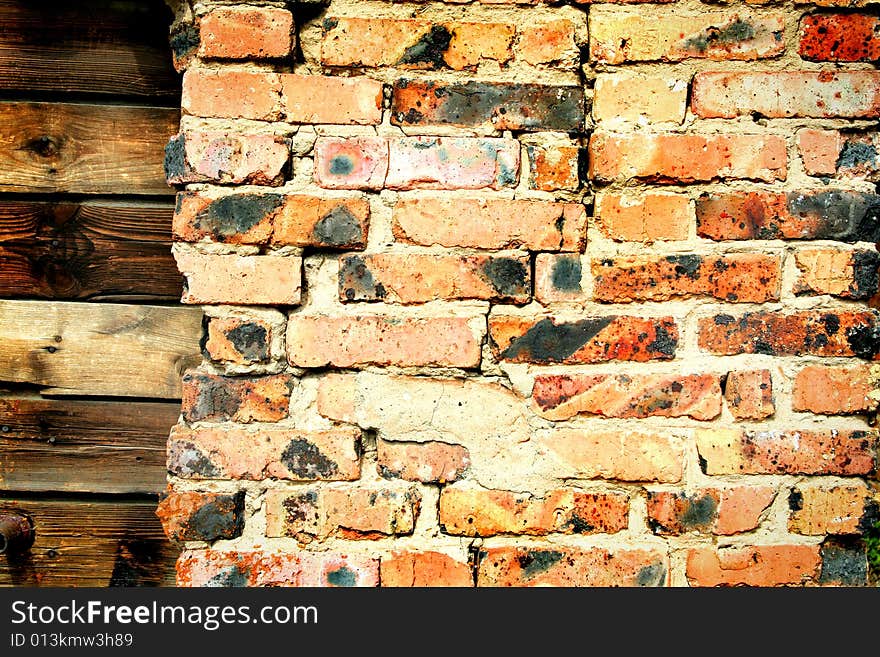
(844, 562)
(835, 153)
(639, 98)
(430, 462)
(416, 278)
(818, 508)
(521, 339)
(414, 44)
(452, 163)
(239, 340)
(644, 217)
(779, 94)
(839, 38)
(617, 37)
(234, 279)
(256, 455)
(230, 93)
(839, 215)
(466, 510)
(333, 100)
(279, 219)
(749, 394)
(357, 340)
(226, 158)
(409, 568)
(499, 105)
(562, 396)
(562, 566)
(490, 223)
(761, 565)
(367, 511)
(554, 166)
(558, 277)
(246, 33)
(721, 511)
(820, 332)
(735, 277)
(834, 390)
(851, 274)
(196, 516)
(773, 451)
(214, 398)
(687, 157)
(351, 163)
(547, 43)
(216, 568)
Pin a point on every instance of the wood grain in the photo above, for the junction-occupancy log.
(116, 350)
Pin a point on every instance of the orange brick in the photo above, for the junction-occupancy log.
(834, 390)
(620, 97)
(548, 43)
(644, 218)
(239, 340)
(245, 33)
(839, 38)
(818, 508)
(554, 167)
(237, 279)
(843, 155)
(558, 277)
(845, 274)
(229, 93)
(196, 516)
(763, 565)
(226, 158)
(408, 568)
(722, 511)
(324, 99)
(428, 462)
(209, 397)
(749, 394)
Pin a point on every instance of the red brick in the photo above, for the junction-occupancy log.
(216, 398)
(239, 340)
(562, 396)
(357, 340)
(617, 37)
(841, 215)
(558, 277)
(430, 462)
(743, 278)
(452, 163)
(409, 568)
(843, 155)
(820, 332)
(226, 158)
(498, 105)
(333, 100)
(779, 94)
(554, 166)
(260, 454)
(562, 566)
(246, 33)
(639, 98)
(549, 43)
(466, 510)
(414, 44)
(834, 390)
(258, 568)
(351, 163)
(749, 394)
(195, 516)
(416, 277)
(230, 93)
(545, 340)
(646, 217)
(490, 223)
(818, 508)
(235, 279)
(839, 38)
(365, 511)
(835, 452)
(760, 566)
(687, 157)
(721, 511)
(845, 274)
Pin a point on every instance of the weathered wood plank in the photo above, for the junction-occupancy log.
(116, 350)
(87, 149)
(84, 543)
(104, 250)
(51, 445)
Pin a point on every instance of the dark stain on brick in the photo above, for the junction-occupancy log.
(724, 320)
(795, 500)
(236, 213)
(185, 460)
(535, 562)
(184, 40)
(339, 227)
(865, 283)
(341, 165)
(508, 276)
(232, 577)
(686, 265)
(217, 398)
(844, 562)
(305, 460)
(342, 576)
(356, 281)
(699, 513)
(250, 340)
(175, 158)
(222, 517)
(300, 507)
(869, 523)
(831, 323)
(329, 23)
(855, 153)
(566, 274)
(546, 342)
(430, 49)
(651, 575)
(663, 342)
(578, 525)
(841, 216)
(864, 340)
(731, 34)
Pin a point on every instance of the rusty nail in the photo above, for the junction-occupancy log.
(16, 533)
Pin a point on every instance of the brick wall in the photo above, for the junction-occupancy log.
(507, 292)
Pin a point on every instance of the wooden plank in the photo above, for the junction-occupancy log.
(87, 149)
(90, 543)
(93, 250)
(90, 47)
(51, 445)
(116, 350)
